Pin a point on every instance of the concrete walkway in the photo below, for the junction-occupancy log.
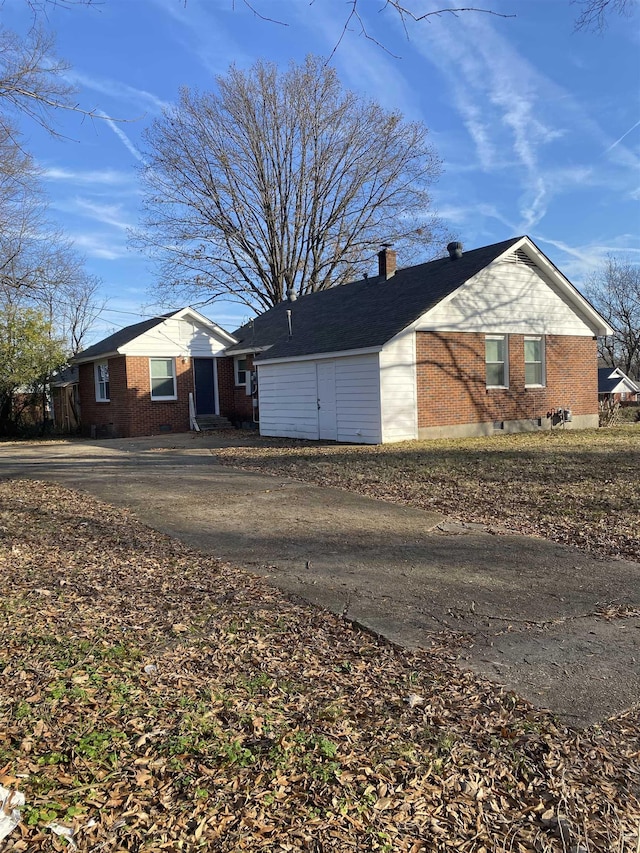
(530, 606)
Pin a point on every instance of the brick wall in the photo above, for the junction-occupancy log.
(235, 403)
(451, 380)
(111, 420)
(131, 411)
(151, 417)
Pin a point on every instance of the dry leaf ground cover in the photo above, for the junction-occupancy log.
(153, 698)
(576, 487)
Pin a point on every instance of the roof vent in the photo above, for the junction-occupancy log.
(386, 262)
(455, 250)
(520, 257)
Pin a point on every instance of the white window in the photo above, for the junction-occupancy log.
(163, 379)
(102, 381)
(240, 369)
(534, 361)
(497, 361)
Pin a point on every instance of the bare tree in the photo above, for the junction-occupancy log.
(281, 181)
(615, 292)
(39, 269)
(38, 266)
(21, 213)
(69, 298)
(594, 13)
(31, 77)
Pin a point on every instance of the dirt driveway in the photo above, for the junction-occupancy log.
(546, 620)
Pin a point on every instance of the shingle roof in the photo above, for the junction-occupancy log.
(608, 380)
(68, 376)
(363, 314)
(120, 338)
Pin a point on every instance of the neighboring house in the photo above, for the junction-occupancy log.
(65, 400)
(615, 386)
(491, 340)
(494, 339)
(139, 380)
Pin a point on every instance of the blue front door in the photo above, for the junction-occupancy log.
(204, 380)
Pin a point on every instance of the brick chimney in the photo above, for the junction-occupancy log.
(386, 262)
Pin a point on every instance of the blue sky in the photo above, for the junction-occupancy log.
(538, 126)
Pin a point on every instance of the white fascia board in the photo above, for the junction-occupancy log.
(102, 357)
(205, 321)
(583, 306)
(318, 356)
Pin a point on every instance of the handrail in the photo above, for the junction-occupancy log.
(193, 423)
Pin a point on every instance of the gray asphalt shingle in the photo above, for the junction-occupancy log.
(120, 338)
(362, 314)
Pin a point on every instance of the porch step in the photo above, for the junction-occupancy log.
(211, 422)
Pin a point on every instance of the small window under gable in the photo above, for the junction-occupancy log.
(163, 378)
(496, 358)
(534, 372)
(102, 381)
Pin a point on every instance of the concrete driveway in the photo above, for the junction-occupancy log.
(543, 619)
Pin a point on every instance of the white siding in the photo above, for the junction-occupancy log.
(289, 402)
(358, 399)
(398, 388)
(507, 297)
(177, 337)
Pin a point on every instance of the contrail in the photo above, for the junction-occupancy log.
(122, 136)
(621, 138)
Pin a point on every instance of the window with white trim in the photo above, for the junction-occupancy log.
(496, 356)
(240, 369)
(163, 378)
(102, 381)
(534, 361)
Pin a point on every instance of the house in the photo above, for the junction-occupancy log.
(142, 379)
(491, 340)
(615, 386)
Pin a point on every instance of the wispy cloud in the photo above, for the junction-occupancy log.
(202, 33)
(519, 120)
(497, 94)
(581, 261)
(106, 177)
(107, 214)
(141, 98)
(99, 246)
